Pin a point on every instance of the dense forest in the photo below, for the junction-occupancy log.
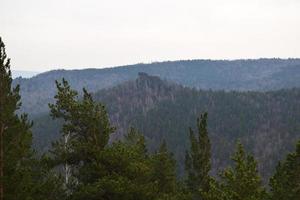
(87, 161)
(266, 122)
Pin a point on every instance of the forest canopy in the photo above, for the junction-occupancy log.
(84, 163)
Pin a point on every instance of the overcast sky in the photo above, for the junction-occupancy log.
(49, 34)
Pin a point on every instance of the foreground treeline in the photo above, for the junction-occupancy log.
(85, 165)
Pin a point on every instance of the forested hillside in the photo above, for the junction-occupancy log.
(86, 160)
(241, 75)
(266, 122)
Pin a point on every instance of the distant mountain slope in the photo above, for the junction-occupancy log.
(241, 75)
(268, 123)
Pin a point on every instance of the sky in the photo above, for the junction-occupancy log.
(49, 34)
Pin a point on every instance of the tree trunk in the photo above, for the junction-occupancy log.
(67, 167)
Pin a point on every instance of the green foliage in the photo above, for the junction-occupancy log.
(285, 184)
(84, 164)
(241, 182)
(198, 162)
(23, 176)
(122, 170)
(164, 168)
(266, 122)
(125, 174)
(86, 130)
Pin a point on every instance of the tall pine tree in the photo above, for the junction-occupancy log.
(285, 184)
(23, 176)
(198, 163)
(125, 172)
(86, 130)
(15, 137)
(164, 171)
(242, 182)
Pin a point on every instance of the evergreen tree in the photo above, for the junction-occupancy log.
(23, 176)
(65, 108)
(15, 137)
(135, 139)
(239, 183)
(125, 172)
(285, 184)
(86, 131)
(198, 163)
(164, 171)
(46, 184)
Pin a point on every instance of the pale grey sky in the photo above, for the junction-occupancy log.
(49, 34)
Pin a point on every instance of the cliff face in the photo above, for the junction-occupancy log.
(133, 99)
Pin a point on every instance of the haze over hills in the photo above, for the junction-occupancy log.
(240, 75)
(23, 74)
(266, 122)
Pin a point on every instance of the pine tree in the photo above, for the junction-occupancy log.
(198, 163)
(126, 172)
(23, 176)
(135, 139)
(241, 182)
(15, 137)
(65, 108)
(164, 171)
(86, 130)
(285, 184)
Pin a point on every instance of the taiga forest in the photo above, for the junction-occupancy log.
(149, 132)
(149, 100)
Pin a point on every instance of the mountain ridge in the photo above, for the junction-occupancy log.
(240, 75)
